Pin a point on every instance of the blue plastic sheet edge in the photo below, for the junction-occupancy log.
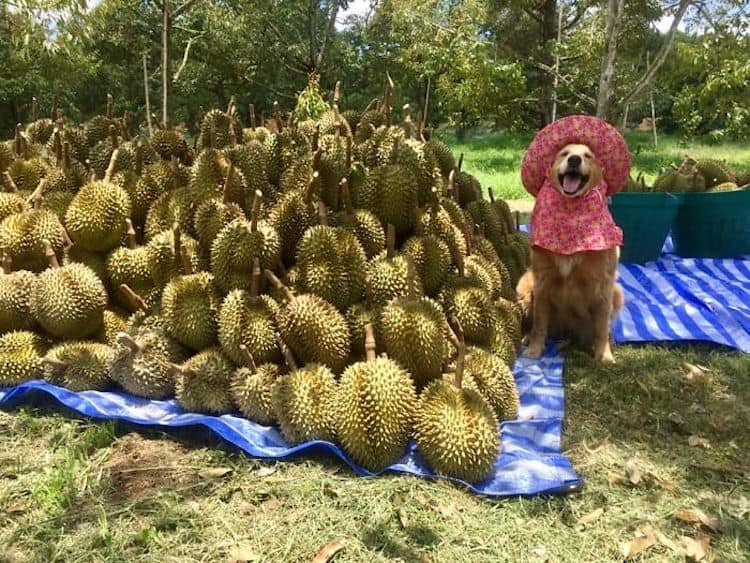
(531, 462)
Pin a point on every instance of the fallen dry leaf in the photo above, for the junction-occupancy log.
(695, 550)
(637, 545)
(667, 485)
(328, 551)
(633, 473)
(590, 518)
(615, 478)
(697, 516)
(243, 554)
(398, 503)
(696, 441)
(693, 371)
(266, 470)
(214, 472)
(273, 503)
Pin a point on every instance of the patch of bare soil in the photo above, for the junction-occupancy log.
(139, 465)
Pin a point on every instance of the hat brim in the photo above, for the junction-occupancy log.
(603, 139)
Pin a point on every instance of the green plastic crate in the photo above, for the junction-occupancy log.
(645, 220)
(713, 225)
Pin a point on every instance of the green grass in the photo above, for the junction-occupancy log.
(495, 158)
(74, 490)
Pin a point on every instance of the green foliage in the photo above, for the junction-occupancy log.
(310, 102)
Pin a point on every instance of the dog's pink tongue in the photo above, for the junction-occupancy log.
(571, 183)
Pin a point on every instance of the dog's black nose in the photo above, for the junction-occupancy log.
(574, 160)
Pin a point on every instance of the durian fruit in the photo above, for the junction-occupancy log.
(467, 187)
(6, 156)
(743, 178)
(438, 222)
(365, 226)
(218, 129)
(386, 276)
(503, 343)
(442, 154)
(374, 408)
(390, 192)
(331, 265)
(247, 319)
(155, 180)
(251, 159)
(20, 357)
(142, 365)
(97, 129)
(431, 258)
(169, 143)
(68, 302)
(10, 204)
(455, 428)
(503, 211)
(412, 331)
(471, 305)
(285, 147)
(26, 174)
(211, 216)
(202, 383)
(238, 244)
(21, 236)
(251, 387)
(314, 329)
(333, 166)
(291, 216)
(100, 154)
(715, 171)
(74, 254)
(190, 306)
(492, 379)
(213, 174)
(165, 253)
(114, 321)
(723, 187)
(485, 213)
(303, 401)
(95, 219)
(358, 316)
(129, 265)
(79, 366)
(16, 289)
(509, 315)
(176, 206)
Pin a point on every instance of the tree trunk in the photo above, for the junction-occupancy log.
(165, 79)
(547, 34)
(606, 78)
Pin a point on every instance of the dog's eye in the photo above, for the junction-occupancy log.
(565, 153)
(587, 155)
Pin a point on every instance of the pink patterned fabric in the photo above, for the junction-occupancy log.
(568, 225)
(604, 140)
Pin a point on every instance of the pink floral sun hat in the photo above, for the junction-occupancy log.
(608, 145)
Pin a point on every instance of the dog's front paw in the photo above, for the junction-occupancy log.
(534, 350)
(606, 357)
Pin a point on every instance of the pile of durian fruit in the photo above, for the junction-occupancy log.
(339, 277)
(691, 175)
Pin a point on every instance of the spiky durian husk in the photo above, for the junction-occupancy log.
(168, 208)
(374, 407)
(218, 130)
(211, 217)
(291, 216)
(485, 214)
(366, 227)
(21, 236)
(303, 402)
(27, 173)
(168, 143)
(315, 331)
(252, 392)
(442, 154)
(20, 357)
(439, 224)
(390, 192)
(146, 372)
(157, 179)
(284, 148)
(236, 247)
(190, 306)
(715, 171)
(113, 322)
(471, 306)
(252, 161)
(95, 219)
(87, 366)
(40, 131)
(203, 386)
(412, 332)
(331, 265)
(248, 321)
(386, 279)
(97, 129)
(432, 260)
(509, 315)
(456, 432)
(493, 379)
(16, 289)
(164, 262)
(68, 302)
(11, 204)
(357, 316)
(502, 344)
(129, 266)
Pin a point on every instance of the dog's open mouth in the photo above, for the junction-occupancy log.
(572, 182)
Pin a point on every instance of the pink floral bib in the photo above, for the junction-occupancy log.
(566, 226)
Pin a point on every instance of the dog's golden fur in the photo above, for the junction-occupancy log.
(576, 296)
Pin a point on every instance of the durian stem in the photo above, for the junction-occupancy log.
(66, 156)
(7, 263)
(228, 180)
(124, 339)
(277, 117)
(110, 103)
(49, 252)
(369, 343)
(176, 239)
(336, 96)
(9, 183)
(230, 106)
(113, 136)
(286, 352)
(251, 112)
(390, 240)
(322, 212)
(316, 159)
(411, 275)
(457, 339)
(460, 164)
(35, 199)
(349, 151)
(311, 187)
(249, 360)
(434, 200)
(56, 365)
(53, 111)
(58, 146)
(255, 212)
(187, 265)
(18, 140)
(452, 185)
(135, 300)
(112, 165)
(34, 108)
(92, 175)
(407, 124)
(460, 264)
(467, 236)
(159, 124)
(66, 237)
(387, 98)
(130, 232)
(491, 194)
(255, 282)
(346, 196)
(138, 158)
(316, 137)
(279, 285)
(418, 225)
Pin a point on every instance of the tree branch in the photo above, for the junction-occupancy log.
(580, 95)
(185, 55)
(181, 8)
(660, 57)
(580, 10)
(533, 15)
(329, 32)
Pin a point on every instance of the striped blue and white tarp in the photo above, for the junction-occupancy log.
(530, 461)
(686, 299)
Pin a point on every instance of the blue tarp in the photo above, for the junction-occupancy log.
(530, 463)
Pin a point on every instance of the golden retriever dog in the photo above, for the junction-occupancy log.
(572, 296)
